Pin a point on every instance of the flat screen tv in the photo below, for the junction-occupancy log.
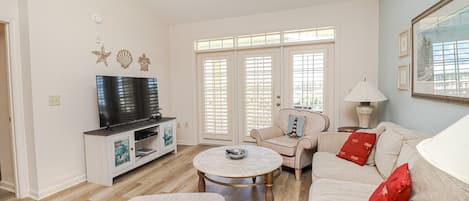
(124, 100)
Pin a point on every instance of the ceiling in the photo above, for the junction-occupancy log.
(187, 11)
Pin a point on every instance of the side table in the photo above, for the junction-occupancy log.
(348, 129)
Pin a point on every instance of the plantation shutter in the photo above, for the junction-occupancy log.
(308, 81)
(215, 98)
(258, 91)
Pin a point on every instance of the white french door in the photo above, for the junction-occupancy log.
(308, 75)
(216, 75)
(243, 90)
(259, 89)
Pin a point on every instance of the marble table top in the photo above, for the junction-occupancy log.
(259, 161)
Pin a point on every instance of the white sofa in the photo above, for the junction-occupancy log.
(335, 179)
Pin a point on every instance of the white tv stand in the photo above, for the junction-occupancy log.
(112, 152)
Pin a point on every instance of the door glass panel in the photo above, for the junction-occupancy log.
(308, 81)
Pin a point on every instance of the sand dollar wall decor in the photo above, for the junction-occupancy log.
(124, 57)
(144, 62)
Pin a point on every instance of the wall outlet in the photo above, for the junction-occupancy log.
(178, 125)
(54, 100)
(186, 124)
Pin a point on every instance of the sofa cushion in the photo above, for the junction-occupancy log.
(432, 184)
(387, 151)
(329, 166)
(284, 145)
(337, 190)
(378, 131)
(408, 154)
(397, 187)
(358, 147)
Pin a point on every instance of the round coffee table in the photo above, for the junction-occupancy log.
(259, 161)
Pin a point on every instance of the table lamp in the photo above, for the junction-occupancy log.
(448, 150)
(365, 93)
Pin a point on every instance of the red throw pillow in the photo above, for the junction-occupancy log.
(397, 187)
(358, 147)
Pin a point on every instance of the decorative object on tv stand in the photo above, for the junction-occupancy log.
(403, 77)
(439, 62)
(124, 57)
(144, 62)
(448, 150)
(404, 44)
(365, 93)
(102, 55)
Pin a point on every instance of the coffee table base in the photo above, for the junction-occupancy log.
(268, 183)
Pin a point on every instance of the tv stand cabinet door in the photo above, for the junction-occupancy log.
(168, 134)
(122, 153)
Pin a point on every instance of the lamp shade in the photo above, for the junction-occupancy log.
(365, 92)
(448, 150)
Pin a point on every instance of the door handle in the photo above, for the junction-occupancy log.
(278, 104)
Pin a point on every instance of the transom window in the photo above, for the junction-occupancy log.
(267, 39)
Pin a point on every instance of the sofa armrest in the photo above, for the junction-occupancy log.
(331, 142)
(266, 133)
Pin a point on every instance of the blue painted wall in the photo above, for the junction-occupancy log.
(425, 115)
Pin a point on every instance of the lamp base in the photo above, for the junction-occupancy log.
(364, 115)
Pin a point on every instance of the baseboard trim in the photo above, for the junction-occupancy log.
(7, 186)
(43, 193)
(183, 142)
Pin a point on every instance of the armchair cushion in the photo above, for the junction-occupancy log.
(284, 145)
(314, 123)
(296, 126)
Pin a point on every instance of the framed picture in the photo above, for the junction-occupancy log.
(440, 61)
(404, 44)
(403, 77)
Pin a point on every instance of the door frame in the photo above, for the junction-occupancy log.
(18, 124)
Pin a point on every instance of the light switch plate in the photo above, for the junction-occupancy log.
(54, 100)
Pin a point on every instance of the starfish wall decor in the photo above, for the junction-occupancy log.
(102, 55)
(144, 62)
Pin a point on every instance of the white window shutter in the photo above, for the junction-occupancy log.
(308, 81)
(258, 92)
(215, 96)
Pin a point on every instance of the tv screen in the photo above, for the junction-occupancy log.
(126, 99)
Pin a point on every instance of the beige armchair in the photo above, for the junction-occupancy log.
(296, 153)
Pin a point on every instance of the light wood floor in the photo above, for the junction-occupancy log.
(6, 196)
(175, 173)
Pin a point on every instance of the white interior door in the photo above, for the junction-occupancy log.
(258, 90)
(308, 78)
(216, 93)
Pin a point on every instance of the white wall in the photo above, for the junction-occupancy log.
(356, 51)
(61, 38)
(6, 151)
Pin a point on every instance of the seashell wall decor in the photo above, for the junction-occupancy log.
(124, 57)
(144, 62)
